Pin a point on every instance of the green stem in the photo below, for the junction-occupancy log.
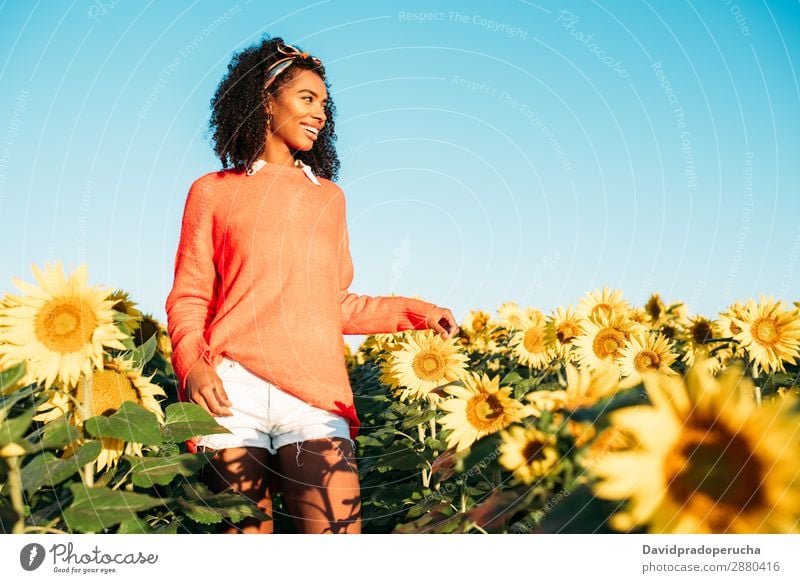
(15, 487)
(478, 528)
(426, 476)
(86, 411)
(47, 529)
(433, 421)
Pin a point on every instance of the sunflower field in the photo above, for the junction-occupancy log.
(601, 417)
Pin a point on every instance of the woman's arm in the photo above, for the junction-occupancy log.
(362, 314)
(190, 304)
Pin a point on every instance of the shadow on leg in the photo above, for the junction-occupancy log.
(320, 485)
(245, 470)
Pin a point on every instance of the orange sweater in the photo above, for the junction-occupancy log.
(262, 274)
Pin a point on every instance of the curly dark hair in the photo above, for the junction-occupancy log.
(239, 117)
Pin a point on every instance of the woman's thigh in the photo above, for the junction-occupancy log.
(319, 480)
(245, 469)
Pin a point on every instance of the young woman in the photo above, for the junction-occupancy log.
(261, 296)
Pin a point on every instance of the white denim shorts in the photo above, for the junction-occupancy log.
(265, 416)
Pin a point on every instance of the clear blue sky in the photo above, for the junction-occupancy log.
(526, 151)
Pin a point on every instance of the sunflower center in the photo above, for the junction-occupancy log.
(533, 449)
(110, 389)
(646, 360)
(714, 473)
(668, 331)
(485, 412)
(479, 324)
(653, 308)
(608, 342)
(428, 366)
(65, 324)
(765, 331)
(534, 340)
(566, 332)
(701, 332)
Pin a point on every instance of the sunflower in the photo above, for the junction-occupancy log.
(655, 310)
(527, 452)
(541, 401)
(378, 344)
(510, 315)
(726, 327)
(610, 440)
(128, 316)
(529, 345)
(485, 344)
(696, 336)
(707, 459)
(479, 408)
(639, 315)
(769, 333)
(58, 329)
(602, 339)
(563, 327)
(111, 386)
(585, 388)
(149, 327)
(646, 354)
(476, 322)
(422, 363)
(603, 302)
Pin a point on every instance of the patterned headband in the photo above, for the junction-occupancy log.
(281, 65)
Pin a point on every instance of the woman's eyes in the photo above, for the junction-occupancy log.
(311, 99)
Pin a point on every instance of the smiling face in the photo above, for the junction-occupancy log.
(298, 114)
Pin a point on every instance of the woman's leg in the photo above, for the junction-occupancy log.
(319, 480)
(244, 469)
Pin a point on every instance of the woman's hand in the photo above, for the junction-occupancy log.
(204, 388)
(441, 321)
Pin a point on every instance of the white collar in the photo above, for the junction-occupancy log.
(259, 164)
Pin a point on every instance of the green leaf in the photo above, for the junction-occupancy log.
(58, 434)
(142, 354)
(12, 429)
(578, 512)
(94, 509)
(203, 507)
(161, 470)
(134, 525)
(434, 444)
(415, 420)
(481, 456)
(47, 469)
(8, 516)
(10, 377)
(8, 401)
(511, 379)
(131, 422)
(186, 420)
(400, 456)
